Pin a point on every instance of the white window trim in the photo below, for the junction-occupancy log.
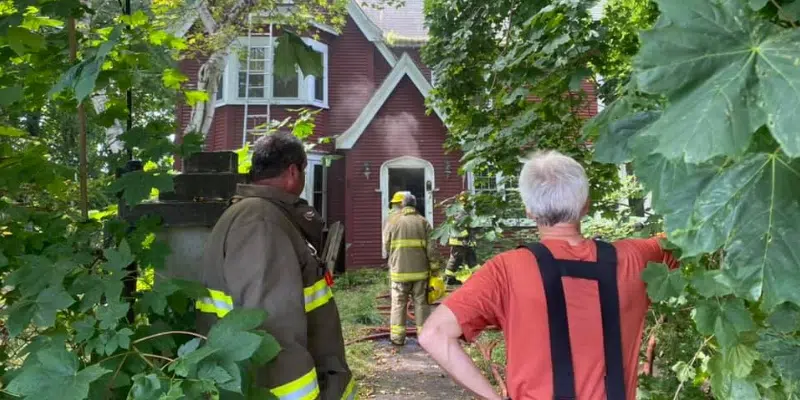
(501, 187)
(230, 80)
(308, 190)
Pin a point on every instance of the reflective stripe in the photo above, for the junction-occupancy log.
(303, 388)
(350, 391)
(450, 273)
(398, 329)
(408, 244)
(219, 303)
(408, 276)
(455, 242)
(317, 295)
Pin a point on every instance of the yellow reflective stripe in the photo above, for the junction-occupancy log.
(302, 388)
(450, 273)
(398, 329)
(408, 244)
(350, 391)
(317, 295)
(455, 242)
(408, 276)
(218, 303)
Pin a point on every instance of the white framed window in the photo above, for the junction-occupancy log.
(258, 83)
(220, 96)
(508, 188)
(316, 189)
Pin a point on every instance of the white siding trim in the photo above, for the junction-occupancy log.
(405, 67)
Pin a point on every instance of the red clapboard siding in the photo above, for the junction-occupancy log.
(414, 52)
(400, 128)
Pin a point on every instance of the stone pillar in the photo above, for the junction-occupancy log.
(189, 213)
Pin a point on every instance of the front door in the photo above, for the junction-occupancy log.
(411, 180)
(412, 174)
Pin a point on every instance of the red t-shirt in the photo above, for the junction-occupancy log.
(507, 292)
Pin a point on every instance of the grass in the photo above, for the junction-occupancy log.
(355, 294)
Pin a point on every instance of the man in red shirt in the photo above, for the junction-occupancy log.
(553, 351)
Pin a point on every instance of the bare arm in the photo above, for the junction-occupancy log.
(440, 339)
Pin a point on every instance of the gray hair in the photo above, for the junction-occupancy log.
(409, 200)
(554, 188)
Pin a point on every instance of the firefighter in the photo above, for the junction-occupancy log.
(410, 266)
(396, 203)
(262, 253)
(461, 245)
(396, 206)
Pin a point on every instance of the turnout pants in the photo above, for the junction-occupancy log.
(460, 255)
(401, 291)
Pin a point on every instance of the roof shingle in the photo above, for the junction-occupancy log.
(404, 24)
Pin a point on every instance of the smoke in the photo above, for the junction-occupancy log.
(396, 130)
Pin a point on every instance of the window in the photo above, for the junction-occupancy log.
(318, 194)
(220, 88)
(507, 187)
(315, 192)
(257, 73)
(484, 183)
(257, 83)
(316, 86)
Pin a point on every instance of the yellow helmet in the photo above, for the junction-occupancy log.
(398, 198)
(436, 289)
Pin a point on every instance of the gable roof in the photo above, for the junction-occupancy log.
(189, 18)
(404, 67)
(401, 25)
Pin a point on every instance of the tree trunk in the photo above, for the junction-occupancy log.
(207, 78)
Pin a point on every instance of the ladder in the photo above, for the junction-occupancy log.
(257, 124)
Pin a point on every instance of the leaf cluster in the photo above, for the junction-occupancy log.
(88, 310)
(719, 154)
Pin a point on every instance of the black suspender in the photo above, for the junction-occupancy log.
(604, 271)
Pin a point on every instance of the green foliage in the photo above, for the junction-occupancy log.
(720, 157)
(507, 80)
(73, 326)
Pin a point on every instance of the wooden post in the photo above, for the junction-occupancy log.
(331, 251)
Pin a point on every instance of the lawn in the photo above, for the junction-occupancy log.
(355, 296)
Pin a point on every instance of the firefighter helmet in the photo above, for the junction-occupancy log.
(436, 289)
(398, 198)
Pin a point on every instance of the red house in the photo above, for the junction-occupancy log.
(372, 101)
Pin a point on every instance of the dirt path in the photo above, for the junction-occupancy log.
(409, 373)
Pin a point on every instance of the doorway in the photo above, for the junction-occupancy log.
(408, 179)
(407, 173)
